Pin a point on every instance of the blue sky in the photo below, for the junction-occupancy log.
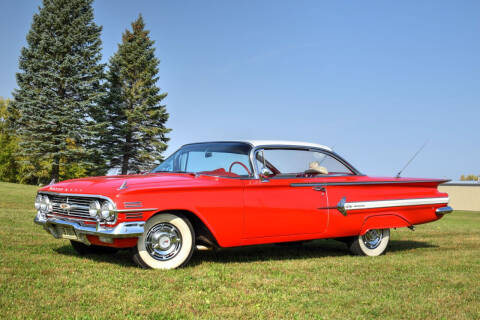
(373, 79)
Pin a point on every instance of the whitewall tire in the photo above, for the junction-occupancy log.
(373, 243)
(167, 242)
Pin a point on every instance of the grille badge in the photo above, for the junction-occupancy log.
(65, 206)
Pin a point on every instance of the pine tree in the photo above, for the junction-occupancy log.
(59, 87)
(136, 135)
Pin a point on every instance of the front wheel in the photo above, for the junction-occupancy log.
(373, 243)
(167, 242)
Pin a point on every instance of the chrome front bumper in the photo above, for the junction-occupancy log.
(57, 227)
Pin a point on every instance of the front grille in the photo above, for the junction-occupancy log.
(77, 206)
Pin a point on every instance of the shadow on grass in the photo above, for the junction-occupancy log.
(403, 245)
(313, 249)
(122, 257)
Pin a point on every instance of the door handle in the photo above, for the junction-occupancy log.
(319, 188)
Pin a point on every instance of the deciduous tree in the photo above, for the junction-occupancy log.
(9, 165)
(469, 177)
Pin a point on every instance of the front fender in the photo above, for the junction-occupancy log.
(384, 221)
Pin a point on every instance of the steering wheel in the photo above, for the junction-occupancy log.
(238, 162)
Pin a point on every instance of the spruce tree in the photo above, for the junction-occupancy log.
(136, 135)
(59, 87)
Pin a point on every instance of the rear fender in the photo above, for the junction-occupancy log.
(384, 221)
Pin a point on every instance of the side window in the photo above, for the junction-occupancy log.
(334, 166)
(293, 162)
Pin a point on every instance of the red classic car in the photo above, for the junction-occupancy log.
(226, 194)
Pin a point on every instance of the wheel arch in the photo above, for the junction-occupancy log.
(384, 221)
(203, 235)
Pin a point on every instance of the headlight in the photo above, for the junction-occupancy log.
(107, 211)
(48, 204)
(38, 201)
(94, 208)
(43, 204)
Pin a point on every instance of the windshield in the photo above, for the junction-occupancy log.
(228, 159)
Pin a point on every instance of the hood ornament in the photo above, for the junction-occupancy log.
(123, 186)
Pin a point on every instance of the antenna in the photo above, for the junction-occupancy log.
(414, 156)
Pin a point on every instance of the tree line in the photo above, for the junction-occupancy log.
(469, 177)
(73, 116)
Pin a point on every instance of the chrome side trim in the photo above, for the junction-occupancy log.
(136, 210)
(362, 183)
(360, 205)
(444, 210)
(133, 204)
(340, 206)
(122, 230)
(343, 206)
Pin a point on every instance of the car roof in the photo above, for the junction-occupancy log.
(256, 143)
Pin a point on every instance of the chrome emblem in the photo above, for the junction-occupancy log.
(64, 206)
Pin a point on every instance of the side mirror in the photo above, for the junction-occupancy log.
(264, 174)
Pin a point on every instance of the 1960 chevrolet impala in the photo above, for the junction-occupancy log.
(225, 194)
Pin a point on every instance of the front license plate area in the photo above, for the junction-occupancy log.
(67, 233)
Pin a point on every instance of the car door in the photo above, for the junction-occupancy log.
(275, 208)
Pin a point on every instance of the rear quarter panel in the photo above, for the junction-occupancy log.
(360, 221)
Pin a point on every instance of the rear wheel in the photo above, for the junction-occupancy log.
(373, 243)
(167, 242)
(82, 248)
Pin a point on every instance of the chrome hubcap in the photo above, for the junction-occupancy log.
(163, 241)
(372, 238)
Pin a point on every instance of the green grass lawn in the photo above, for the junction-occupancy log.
(433, 272)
